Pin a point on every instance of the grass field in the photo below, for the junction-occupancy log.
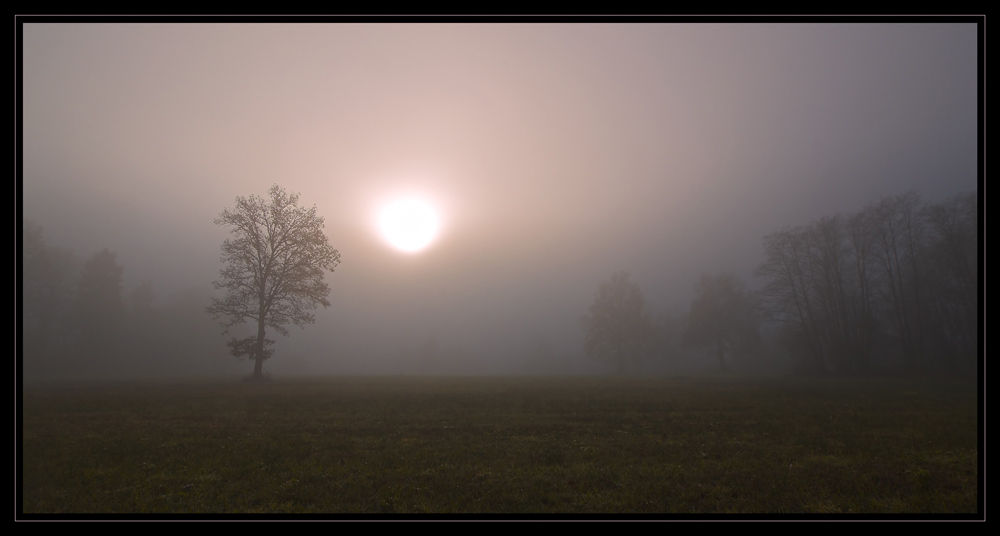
(501, 446)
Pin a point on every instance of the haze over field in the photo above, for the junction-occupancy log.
(553, 155)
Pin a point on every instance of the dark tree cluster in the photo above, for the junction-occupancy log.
(891, 288)
(49, 279)
(894, 285)
(78, 319)
(72, 311)
(619, 328)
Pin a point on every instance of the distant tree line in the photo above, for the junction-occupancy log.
(48, 284)
(724, 319)
(894, 285)
(891, 288)
(77, 319)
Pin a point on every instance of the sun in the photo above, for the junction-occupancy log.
(409, 224)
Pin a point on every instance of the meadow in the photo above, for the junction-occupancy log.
(501, 446)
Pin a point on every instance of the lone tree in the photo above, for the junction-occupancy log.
(618, 326)
(274, 270)
(724, 315)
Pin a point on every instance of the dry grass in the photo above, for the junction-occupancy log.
(501, 446)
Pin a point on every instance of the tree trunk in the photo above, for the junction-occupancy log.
(258, 366)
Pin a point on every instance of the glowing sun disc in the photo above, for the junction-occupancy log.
(409, 224)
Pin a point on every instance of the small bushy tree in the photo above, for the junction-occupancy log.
(617, 327)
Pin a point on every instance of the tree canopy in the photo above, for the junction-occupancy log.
(893, 284)
(274, 268)
(49, 281)
(617, 327)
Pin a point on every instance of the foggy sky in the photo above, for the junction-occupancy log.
(556, 154)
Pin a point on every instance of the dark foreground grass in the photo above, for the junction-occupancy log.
(501, 445)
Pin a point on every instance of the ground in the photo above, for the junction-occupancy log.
(503, 446)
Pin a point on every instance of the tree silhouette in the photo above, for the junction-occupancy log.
(723, 315)
(99, 307)
(48, 280)
(893, 284)
(617, 327)
(274, 267)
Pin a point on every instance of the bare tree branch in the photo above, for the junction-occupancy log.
(274, 268)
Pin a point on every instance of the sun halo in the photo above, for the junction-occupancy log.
(408, 224)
